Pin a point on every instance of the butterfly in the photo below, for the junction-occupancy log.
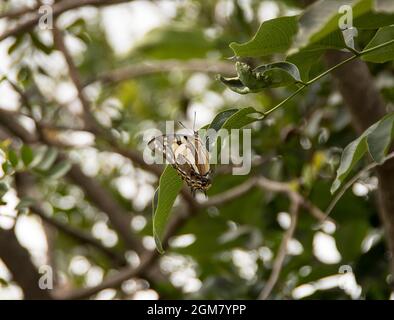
(188, 155)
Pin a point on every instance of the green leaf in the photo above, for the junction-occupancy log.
(376, 139)
(271, 75)
(238, 120)
(304, 60)
(221, 118)
(379, 140)
(13, 158)
(27, 155)
(48, 159)
(350, 156)
(384, 54)
(216, 124)
(242, 118)
(59, 170)
(3, 188)
(170, 185)
(38, 44)
(273, 36)
(16, 44)
(7, 168)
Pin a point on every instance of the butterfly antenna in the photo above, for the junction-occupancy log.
(188, 129)
(194, 121)
(182, 125)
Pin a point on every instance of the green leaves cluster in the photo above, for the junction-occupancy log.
(42, 161)
(375, 141)
(303, 39)
(272, 75)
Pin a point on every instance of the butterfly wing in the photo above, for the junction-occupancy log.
(187, 155)
(201, 156)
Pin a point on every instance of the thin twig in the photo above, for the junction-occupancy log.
(57, 9)
(16, 13)
(154, 67)
(269, 185)
(282, 252)
(323, 74)
(78, 235)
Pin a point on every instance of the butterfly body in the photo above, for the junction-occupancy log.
(188, 155)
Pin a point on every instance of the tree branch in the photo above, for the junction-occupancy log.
(282, 252)
(23, 184)
(58, 8)
(16, 13)
(18, 261)
(154, 67)
(269, 185)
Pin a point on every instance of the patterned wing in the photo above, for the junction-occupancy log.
(187, 155)
(176, 149)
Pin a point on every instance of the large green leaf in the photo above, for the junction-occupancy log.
(379, 140)
(376, 139)
(306, 57)
(277, 74)
(216, 124)
(350, 156)
(238, 120)
(242, 118)
(273, 36)
(170, 185)
(384, 54)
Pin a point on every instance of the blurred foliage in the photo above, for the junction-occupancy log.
(233, 245)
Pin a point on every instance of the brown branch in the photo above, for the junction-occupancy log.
(90, 121)
(100, 197)
(282, 252)
(57, 9)
(269, 185)
(10, 122)
(147, 262)
(154, 67)
(366, 106)
(78, 235)
(18, 261)
(16, 13)
(24, 184)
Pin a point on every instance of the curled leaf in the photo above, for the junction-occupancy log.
(271, 75)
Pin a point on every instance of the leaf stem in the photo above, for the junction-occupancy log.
(304, 85)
